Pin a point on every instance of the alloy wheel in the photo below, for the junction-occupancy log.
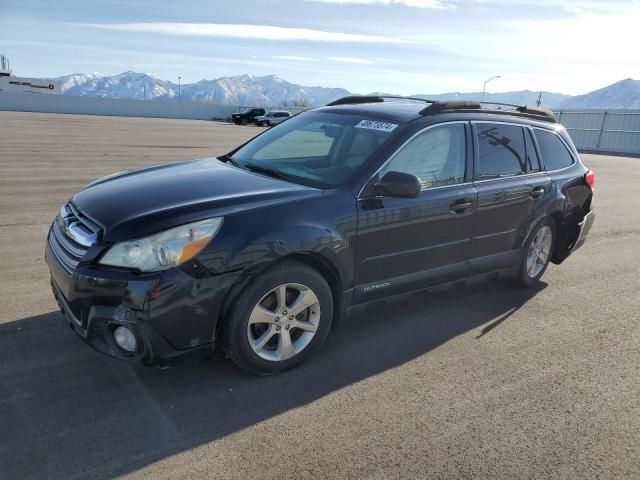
(539, 251)
(283, 322)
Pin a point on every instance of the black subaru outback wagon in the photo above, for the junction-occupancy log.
(261, 250)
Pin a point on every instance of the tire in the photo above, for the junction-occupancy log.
(536, 257)
(243, 121)
(254, 334)
(267, 124)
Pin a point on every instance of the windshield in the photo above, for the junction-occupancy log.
(315, 148)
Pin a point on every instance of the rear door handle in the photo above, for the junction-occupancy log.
(460, 206)
(537, 192)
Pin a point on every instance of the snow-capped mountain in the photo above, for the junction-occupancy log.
(68, 82)
(273, 91)
(124, 85)
(247, 90)
(624, 94)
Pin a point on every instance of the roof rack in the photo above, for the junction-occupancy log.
(469, 106)
(356, 99)
(536, 113)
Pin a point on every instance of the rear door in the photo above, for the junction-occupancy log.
(403, 244)
(511, 187)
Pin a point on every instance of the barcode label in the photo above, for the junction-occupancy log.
(374, 125)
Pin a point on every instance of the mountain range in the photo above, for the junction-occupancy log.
(273, 91)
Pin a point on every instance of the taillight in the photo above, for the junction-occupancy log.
(590, 179)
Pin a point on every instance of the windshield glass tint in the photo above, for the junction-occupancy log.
(317, 149)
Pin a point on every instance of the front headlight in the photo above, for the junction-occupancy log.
(165, 249)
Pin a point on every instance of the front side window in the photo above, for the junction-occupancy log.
(436, 156)
(316, 148)
(554, 153)
(501, 150)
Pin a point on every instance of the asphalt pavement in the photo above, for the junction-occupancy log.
(474, 381)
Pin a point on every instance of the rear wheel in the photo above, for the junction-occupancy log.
(281, 318)
(538, 250)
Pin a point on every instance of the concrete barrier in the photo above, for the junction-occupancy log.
(33, 102)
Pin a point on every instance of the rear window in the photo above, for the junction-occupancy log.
(501, 150)
(555, 154)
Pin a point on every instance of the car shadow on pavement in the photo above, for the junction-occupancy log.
(67, 411)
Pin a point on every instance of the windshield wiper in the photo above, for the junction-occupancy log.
(228, 159)
(270, 172)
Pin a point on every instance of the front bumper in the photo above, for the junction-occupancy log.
(170, 313)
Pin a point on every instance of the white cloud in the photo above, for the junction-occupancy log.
(354, 60)
(439, 4)
(294, 58)
(226, 30)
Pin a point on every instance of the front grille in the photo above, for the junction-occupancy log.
(70, 237)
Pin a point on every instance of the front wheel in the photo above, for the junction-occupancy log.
(538, 250)
(279, 320)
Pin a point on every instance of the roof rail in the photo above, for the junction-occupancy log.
(435, 107)
(537, 113)
(439, 107)
(356, 99)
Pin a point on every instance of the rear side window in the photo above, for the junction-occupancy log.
(437, 156)
(554, 152)
(501, 150)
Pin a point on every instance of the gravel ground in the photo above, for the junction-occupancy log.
(477, 381)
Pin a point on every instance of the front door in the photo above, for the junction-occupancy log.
(404, 244)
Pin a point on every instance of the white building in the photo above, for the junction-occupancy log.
(9, 83)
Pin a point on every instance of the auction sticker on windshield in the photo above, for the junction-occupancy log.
(374, 125)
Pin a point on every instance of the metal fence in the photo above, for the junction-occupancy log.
(616, 131)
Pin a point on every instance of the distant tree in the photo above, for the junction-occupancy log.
(296, 102)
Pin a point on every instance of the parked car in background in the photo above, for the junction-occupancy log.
(272, 118)
(259, 251)
(248, 116)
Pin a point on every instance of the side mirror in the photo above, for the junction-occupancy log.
(399, 184)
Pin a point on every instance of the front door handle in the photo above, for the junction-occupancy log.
(537, 192)
(460, 206)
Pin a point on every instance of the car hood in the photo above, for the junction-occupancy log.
(141, 202)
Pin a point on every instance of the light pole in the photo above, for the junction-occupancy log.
(179, 92)
(484, 88)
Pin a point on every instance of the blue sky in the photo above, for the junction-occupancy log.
(398, 46)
